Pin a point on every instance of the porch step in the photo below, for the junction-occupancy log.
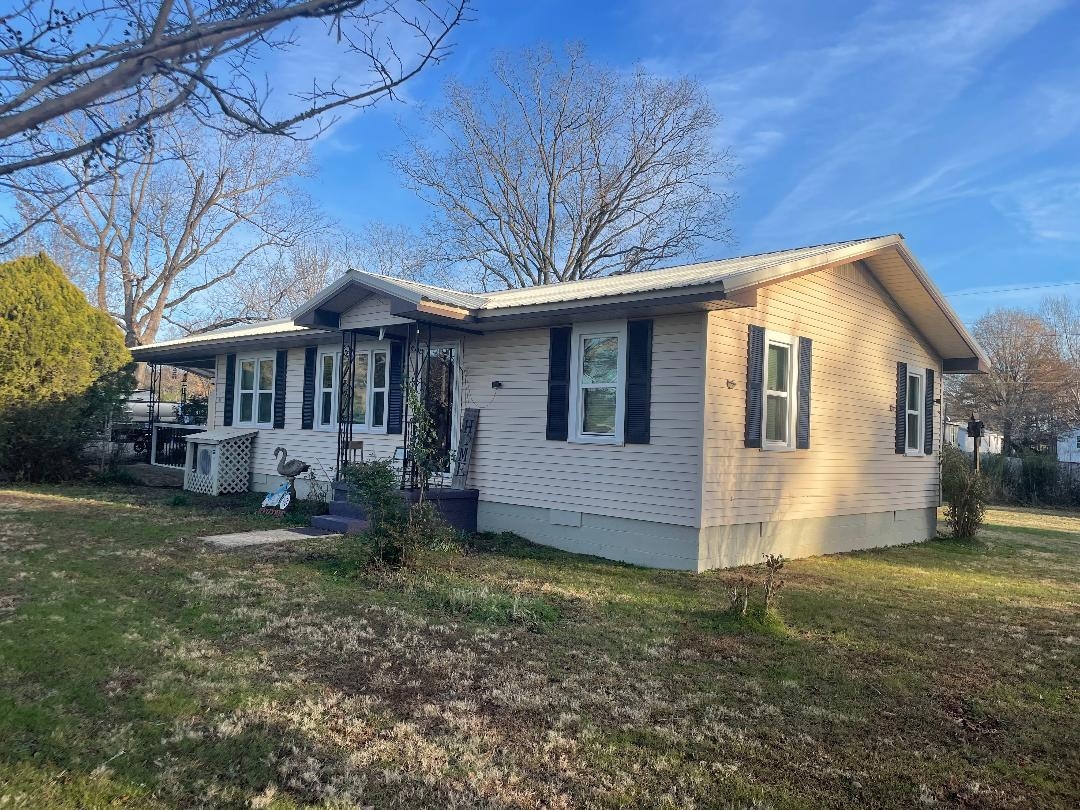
(347, 510)
(340, 524)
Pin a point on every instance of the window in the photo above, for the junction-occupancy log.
(598, 382)
(327, 397)
(370, 385)
(779, 422)
(380, 365)
(1078, 442)
(255, 391)
(915, 405)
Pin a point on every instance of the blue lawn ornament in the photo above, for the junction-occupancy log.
(279, 499)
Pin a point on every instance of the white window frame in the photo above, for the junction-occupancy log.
(254, 390)
(580, 332)
(920, 410)
(372, 390)
(369, 349)
(788, 342)
(320, 389)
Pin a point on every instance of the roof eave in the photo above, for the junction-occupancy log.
(782, 270)
(177, 353)
(982, 361)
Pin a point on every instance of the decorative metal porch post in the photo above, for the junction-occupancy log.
(347, 382)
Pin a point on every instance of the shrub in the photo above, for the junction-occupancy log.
(772, 583)
(63, 371)
(1038, 480)
(397, 532)
(374, 485)
(965, 493)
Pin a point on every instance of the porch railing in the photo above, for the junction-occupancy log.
(169, 447)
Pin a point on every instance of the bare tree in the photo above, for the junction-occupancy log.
(279, 281)
(159, 56)
(566, 170)
(276, 284)
(1030, 392)
(393, 250)
(154, 236)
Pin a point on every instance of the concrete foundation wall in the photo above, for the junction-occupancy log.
(744, 543)
(642, 542)
(664, 545)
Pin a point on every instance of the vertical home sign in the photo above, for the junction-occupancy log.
(464, 450)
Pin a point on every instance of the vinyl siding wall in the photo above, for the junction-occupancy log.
(373, 311)
(851, 466)
(513, 463)
(307, 445)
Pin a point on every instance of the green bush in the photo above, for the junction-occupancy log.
(1000, 483)
(396, 531)
(1030, 480)
(64, 371)
(965, 493)
(1038, 480)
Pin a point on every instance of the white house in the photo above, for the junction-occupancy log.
(1068, 448)
(956, 433)
(689, 417)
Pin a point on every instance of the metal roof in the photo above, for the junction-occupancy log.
(277, 327)
(686, 275)
(722, 280)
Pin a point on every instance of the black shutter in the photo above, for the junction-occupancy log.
(558, 401)
(638, 382)
(281, 365)
(755, 385)
(395, 395)
(928, 437)
(230, 389)
(802, 415)
(901, 407)
(307, 404)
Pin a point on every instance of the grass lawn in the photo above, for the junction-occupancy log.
(138, 669)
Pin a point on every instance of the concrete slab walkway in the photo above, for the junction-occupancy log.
(262, 537)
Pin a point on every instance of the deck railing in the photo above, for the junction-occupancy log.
(169, 447)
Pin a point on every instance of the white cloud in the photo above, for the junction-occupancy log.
(923, 66)
(1047, 206)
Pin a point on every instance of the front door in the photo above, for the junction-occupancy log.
(440, 399)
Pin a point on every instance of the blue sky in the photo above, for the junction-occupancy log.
(955, 123)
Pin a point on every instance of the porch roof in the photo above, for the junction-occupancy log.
(198, 351)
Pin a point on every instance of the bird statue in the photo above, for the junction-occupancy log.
(290, 469)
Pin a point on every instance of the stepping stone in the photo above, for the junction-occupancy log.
(262, 537)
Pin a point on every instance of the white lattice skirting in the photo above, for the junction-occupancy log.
(219, 462)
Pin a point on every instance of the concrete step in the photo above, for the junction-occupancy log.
(346, 509)
(340, 525)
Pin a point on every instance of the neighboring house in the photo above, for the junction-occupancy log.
(1068, 447)
(956, 433)
(690, 417)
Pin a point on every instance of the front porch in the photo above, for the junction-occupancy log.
(456, 506)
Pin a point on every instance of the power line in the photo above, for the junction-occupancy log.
(990, 290)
